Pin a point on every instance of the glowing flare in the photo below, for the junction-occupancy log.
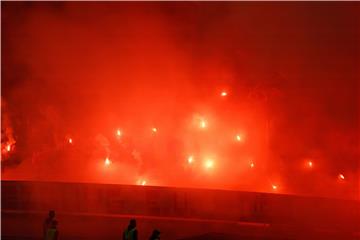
(154, 129)
(341, 176)
(209, 164)
(252, 165)
(107, 162)
(70, 140)
(310, 164)
(118, 133)
(190, 159)
(274, 187)
(8, 148)
(141, 182)
(223, 93)
(238, 138)
(202, 124)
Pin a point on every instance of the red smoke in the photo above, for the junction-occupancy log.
(249, 90)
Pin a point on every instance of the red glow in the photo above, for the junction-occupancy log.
(190, 159)
(252, 165)
(274, 187)
(238, 138)
(107, 162)
(310, 164)
(203, 124)
(341, 177)
(118, 132)
(224, 93)
(209, 164)
(219, 106)
(142, 182)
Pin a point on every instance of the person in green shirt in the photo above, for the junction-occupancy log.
(52, 232)
(130, 233)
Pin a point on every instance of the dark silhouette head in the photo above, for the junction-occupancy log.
(51, 214)
(132, 223)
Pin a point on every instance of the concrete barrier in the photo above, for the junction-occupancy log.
(164, 202)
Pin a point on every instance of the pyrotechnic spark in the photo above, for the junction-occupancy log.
(341, 176)
(310, 164)
(223, 93)
(238, 138)
(107, 162)
(252, 165)
(209, 163)
(118, 133)
(70, 140)
(154, 129)
(8, 148)
(203, 123)
(190, 159)
(141, 182)
(274, 187)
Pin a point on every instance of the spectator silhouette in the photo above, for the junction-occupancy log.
(52, 232)
(48, 223)
(155, 235)
(130, 232)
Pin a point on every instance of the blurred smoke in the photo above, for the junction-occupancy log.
(84, 69)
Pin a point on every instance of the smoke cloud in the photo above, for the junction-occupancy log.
(84, 70)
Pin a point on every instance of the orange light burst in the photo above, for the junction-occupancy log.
(118, 132)
(341, 177)
(141, 182)
(310, 164)
(252, 165)
(70, 140)
(209, 164)
(190, 159)
(238, 138)
(224, 94)
(154, 129)
(8, 148)
(107, 162)
(274, 187)
(203, 123)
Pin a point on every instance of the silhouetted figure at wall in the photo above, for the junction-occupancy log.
(155, 235)
(130, 232)
(48, 222)
(52, 232)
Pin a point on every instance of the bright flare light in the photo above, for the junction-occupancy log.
(274, 187)
(310, 164)
(238, 138)
(154, 130)
(223, 93)
(209, 164)
(8, 148)
(202, 124)
(252, 165)
(341, 176)
(70, 140)
(190, 159)
(107, 162)
(118, 133)
(141, 182)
